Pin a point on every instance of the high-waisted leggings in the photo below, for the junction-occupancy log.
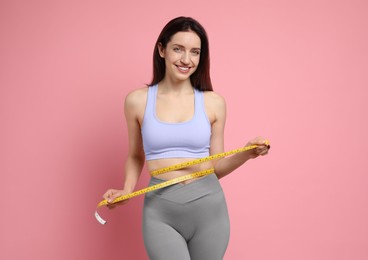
(186, 221)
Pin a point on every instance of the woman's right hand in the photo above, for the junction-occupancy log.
(111, 194)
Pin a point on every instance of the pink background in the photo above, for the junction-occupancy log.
(295, 72)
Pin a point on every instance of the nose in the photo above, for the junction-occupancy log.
(185, 58)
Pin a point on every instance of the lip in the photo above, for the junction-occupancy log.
(183, 69)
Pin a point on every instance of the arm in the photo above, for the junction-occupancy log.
(133, 109)
(136, 157)
(217, 113)
(227, 165)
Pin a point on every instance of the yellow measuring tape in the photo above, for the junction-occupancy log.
(175, 180)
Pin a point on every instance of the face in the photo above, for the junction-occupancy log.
(181, 55)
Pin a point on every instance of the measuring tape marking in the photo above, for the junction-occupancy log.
(158, 186)
(152, 188)
(175, 180)
(204, 159)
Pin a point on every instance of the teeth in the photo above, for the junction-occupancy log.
(183, 68)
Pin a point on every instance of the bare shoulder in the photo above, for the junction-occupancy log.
(135, 104)
(136, 98)
(215, 106)
(213, 99)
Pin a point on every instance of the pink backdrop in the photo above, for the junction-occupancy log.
(293, 71)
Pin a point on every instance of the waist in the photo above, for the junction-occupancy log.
(209, 182)
(163, 163)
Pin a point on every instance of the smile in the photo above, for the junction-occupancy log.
(183, 69)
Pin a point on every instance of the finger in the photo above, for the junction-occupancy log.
(110, 197)
(115, 204)
(264, 151)
(106, 197)
(258, 150)
(263, 148)
(259, 141)
(265, 144)
(111, 204)
(106, 194)
(116, 196)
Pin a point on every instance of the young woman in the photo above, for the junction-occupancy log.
(174, 120)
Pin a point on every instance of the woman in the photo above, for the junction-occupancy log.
(176, 119)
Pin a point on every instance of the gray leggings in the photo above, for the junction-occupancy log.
(186, 221)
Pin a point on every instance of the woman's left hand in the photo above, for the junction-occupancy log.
(262, 149)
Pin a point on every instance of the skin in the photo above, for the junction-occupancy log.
(175, 103)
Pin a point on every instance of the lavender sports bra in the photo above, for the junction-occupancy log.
(190, 139)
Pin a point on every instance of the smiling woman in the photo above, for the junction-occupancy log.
(181, 55)
(176, 119)
(201, 78)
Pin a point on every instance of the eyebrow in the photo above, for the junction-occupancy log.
(179, 45)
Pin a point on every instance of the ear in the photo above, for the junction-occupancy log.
(161, 50)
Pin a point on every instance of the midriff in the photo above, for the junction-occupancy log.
(163, 163)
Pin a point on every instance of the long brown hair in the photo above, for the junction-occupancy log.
(200, 79)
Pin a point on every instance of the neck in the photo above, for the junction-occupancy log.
(179, 87)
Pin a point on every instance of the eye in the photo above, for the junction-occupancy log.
(196, 52)
(176, 49)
